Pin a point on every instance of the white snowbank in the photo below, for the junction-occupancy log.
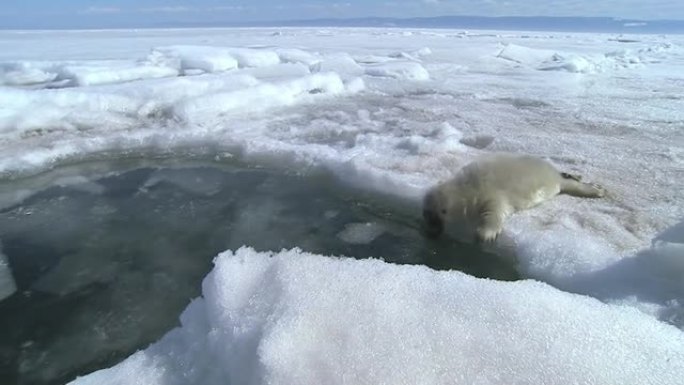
(580, 262)
(297, 318)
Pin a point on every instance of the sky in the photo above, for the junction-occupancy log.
(106, 13)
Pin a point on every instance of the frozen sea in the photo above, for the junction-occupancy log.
(388, 112)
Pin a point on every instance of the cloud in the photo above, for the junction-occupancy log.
(101, 10)
(228, 8)
(314, 6)
(169, 9)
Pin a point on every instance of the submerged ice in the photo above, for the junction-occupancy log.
(7, 284)
(107, 263)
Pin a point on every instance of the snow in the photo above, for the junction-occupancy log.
(297, 318)
(394, 113)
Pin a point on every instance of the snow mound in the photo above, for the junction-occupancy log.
(579, 261)
(297, 318)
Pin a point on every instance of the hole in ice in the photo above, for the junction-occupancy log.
(104, 265)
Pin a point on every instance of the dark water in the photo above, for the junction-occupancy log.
(105, 266)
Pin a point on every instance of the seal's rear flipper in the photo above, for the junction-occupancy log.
(576, 177)
(580, 189)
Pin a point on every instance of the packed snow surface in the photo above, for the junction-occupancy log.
(298, 318)
(395, 111)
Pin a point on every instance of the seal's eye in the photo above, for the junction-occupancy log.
(443, 211)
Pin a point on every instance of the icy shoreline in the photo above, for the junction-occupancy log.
(391, 111)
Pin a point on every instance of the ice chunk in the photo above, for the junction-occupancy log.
(398, 70)
(255, 57)
(208, 59)
(525, 55)
(412, 55)
(293, 55)
(275, 318)
(260, 97)
(7, 284)
(361, 233)
(478, 141)
(571, 63)
(214, 59)
(279, 71)
(23, 73)
(341, 63)
(88, 76)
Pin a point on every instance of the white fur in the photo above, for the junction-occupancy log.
(485, 192)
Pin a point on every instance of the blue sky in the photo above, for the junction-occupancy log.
(32, 13)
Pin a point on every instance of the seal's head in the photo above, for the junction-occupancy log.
(434, 212)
